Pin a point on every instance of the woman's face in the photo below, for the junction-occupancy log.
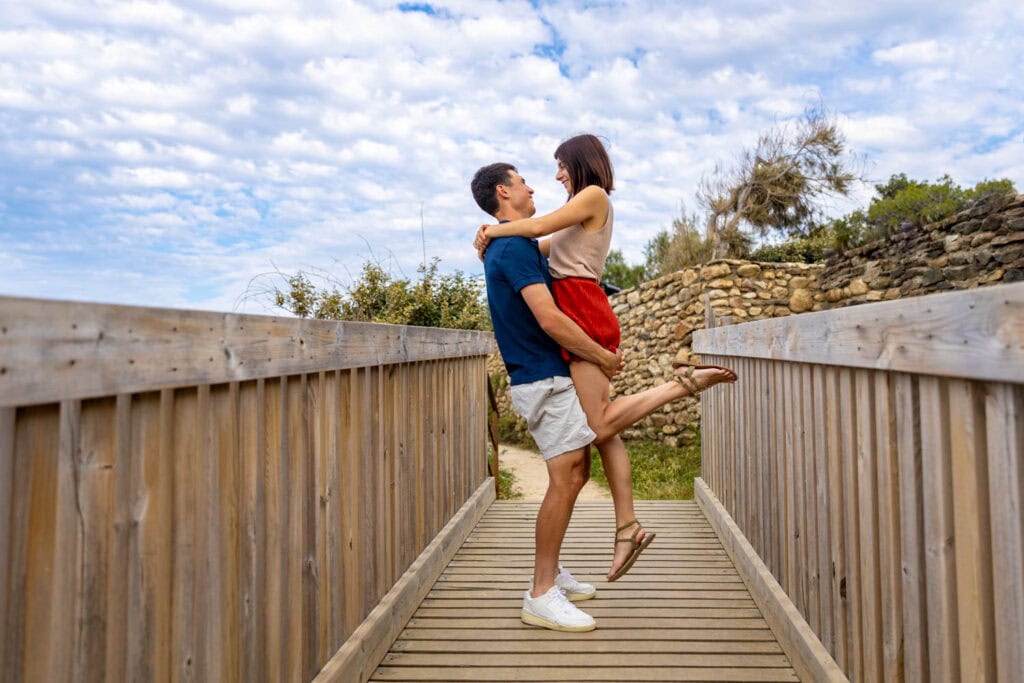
(562, 176)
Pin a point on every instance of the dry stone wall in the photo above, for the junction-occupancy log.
(982, 246)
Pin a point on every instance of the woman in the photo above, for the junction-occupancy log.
(581, 232)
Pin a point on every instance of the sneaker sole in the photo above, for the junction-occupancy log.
(580, 597)
(534, 620)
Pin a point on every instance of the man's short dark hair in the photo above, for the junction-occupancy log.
(485, 183)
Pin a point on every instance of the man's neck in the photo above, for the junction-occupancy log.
(505, 214)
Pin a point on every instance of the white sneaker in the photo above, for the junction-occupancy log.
(573, 589)
(554, 611)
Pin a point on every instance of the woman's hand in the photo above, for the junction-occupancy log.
(481, 241)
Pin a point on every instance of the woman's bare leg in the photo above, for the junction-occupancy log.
(608, 418)
(612, 417)
(593, 388)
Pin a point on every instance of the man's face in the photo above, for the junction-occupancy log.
(520, 195)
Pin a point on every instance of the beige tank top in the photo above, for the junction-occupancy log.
(578, 253)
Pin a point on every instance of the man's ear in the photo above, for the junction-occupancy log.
(503, 191)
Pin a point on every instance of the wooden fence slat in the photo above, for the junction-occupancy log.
(867, 523)
(1004, 410)
(824, 510)
(969, 468)
(335, 518)
(890, 576)
(809, 509)
(39, 441)
(251, 448)
(939, 532)
(8, 520)
(117, 559)
(95, 491)
(912, 551)
(276, 596)
(851, 499)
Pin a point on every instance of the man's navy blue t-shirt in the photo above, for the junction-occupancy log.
(511, 263)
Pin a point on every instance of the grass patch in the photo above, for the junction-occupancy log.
(507, 489)
(659, 472)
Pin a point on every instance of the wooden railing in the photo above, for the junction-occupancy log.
(872, 458)
(216, 497)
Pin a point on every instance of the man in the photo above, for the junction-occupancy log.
(530, 330)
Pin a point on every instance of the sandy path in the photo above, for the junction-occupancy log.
(532, 475)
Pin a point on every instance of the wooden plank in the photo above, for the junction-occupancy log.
(608, 643)
(361, 653)
(334, 516)
(151, 545)
(353, 486)
(251, 448)
(100, 349)
(314, 618)
(976, 334)
(1004, 417)
(117, 557)
(939, 531)
(889, 560)
(824, 510)
(591, 674)
(39, 441)
(226, 480)
(851, 527)
(65, 577)
(912, 552)
(809, 509)
(9, 522)
(975, 599)
(808, 656)
(95, 462)
(589, 660)
(869, 602)
(293, 546)
(275, 596)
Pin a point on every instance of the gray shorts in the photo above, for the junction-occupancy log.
(553, 413)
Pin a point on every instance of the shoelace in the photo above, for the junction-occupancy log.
(565, 606)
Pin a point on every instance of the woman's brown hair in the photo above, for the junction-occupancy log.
(587, 163)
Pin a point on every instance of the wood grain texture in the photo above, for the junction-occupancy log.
(977, 334)
(468, 627)
(59, 350)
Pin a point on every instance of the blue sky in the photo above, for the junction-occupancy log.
(172, 153)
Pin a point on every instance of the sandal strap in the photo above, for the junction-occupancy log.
(633, 536)
(627, 525)
(686, 379)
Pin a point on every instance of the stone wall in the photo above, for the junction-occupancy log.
(982, 246)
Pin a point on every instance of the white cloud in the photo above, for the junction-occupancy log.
(925, 52)
(158, 139)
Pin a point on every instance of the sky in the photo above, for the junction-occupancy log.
(193, 154)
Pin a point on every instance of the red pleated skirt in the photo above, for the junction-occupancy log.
(587, 305)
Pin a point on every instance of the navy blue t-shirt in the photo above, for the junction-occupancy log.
(511, 263)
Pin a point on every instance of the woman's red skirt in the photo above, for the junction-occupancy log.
(587, 305)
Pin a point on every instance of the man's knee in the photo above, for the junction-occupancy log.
(568, 472)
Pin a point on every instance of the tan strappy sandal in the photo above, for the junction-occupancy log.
(686, 379)
(638, 546)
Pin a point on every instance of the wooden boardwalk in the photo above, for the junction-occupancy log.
(681, 614)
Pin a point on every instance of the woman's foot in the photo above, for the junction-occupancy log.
(697, 378)
(630, 540)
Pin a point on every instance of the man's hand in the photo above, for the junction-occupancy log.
(481, 241)
(612, 363)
